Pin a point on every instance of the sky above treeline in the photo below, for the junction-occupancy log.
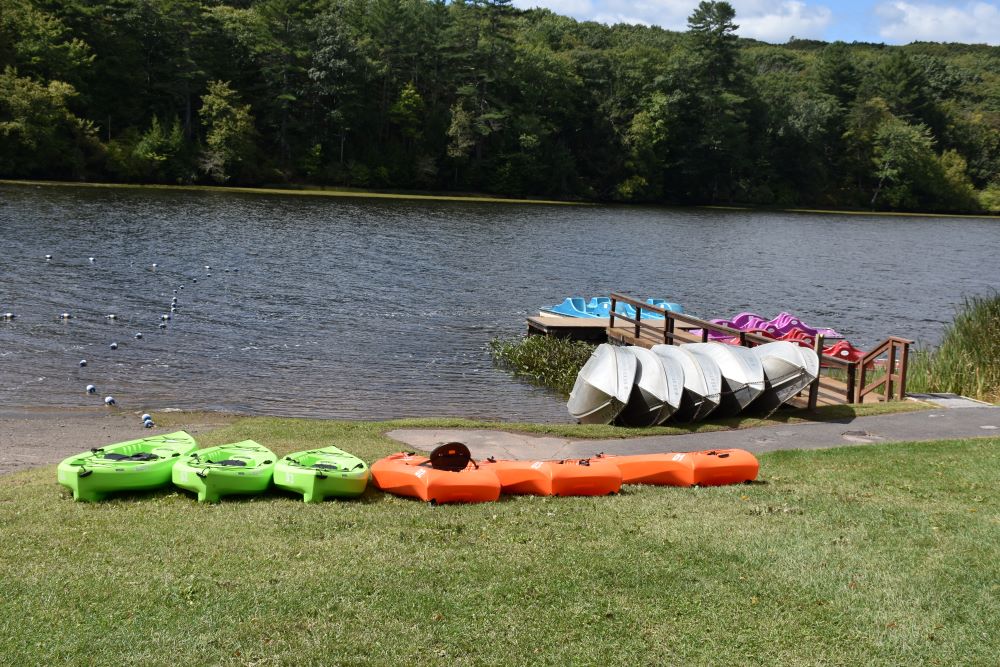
(888, 21)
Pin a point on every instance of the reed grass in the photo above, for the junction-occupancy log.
(968, 360)
(543, 360)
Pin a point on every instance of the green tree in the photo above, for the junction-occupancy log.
(38, 44)
(162, 150)
(407, 112)
(39, 135)
(229, 134)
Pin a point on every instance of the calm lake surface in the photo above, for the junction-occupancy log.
(370, 309)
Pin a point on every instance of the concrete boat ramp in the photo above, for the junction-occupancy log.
(955, 417)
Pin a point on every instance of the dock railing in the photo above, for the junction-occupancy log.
(894, 355)
(676, 328)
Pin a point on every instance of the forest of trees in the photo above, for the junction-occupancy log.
(475, 95)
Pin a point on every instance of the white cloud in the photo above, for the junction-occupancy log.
(776, 22)
(579, 9)
(971, 22)
(761, 19)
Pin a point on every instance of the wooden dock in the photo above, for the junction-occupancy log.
(879, 376)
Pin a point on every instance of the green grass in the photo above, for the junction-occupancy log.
(968, 360)
(867, 555)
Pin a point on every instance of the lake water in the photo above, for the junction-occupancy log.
(369, 309)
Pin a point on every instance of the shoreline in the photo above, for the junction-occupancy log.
(33, 437)
(297, 192)
(339, 192)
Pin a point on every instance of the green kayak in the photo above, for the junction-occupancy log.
(240, 468)
(136, 465)
(319, 473)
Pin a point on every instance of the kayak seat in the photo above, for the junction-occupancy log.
(451, 456)
(231, 462)
(141, 456)
(325, 466)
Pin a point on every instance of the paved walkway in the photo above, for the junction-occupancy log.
(936, 424)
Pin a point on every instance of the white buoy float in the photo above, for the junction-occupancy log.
(92, 260)
(111, 316)
(114, 346)
(109, 400)
(65, 316)
(91, 389)
(83, 362)
(9, 316)
(165, 316)
(163, 325)
(138, 335)
(48, 257)
(148, 423)
(146, 417)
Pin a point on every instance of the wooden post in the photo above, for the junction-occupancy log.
(668, 329)
(890, 367)
(904, 360)
(638, 319)
(814, 386)
(611, 318)
(852, 379)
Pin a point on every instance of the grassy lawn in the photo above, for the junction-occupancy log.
(865, 555)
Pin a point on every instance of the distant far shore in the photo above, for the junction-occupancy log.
(324, 191)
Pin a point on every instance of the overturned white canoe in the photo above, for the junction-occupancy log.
(788, 369)
(656, 390)
(603, 385)
(742, 375)
(702, 381)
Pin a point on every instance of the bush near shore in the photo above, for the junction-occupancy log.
(543, 360)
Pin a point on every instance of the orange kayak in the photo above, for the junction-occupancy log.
(406, 474)
(580, 477)
(713, 467)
